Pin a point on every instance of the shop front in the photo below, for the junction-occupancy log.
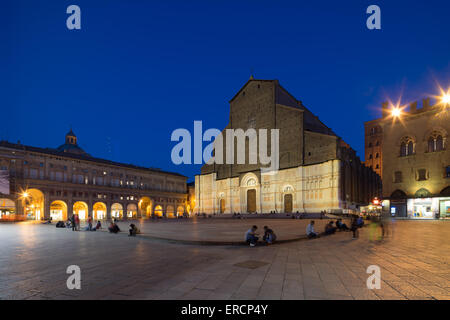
(418, 208)
(444, 207)
(7, 209)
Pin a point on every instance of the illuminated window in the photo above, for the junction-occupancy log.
(421, 174)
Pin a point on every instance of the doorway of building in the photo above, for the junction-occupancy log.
(288, 203)
(251, 200)
(222, 205)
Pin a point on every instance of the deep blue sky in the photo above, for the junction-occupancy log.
(139, 69)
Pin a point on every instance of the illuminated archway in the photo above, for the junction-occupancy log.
(33, 203)
(58, 210)
(131, 210)
(145, 205)
(158, 212)
(180, 211)
(99, 211)
(80, 208)
(117, 211)
(170, 212)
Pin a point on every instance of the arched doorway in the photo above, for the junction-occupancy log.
(33, 203)
(180, 211)
(158, 211)
(222, 205)
(145, 206)
(288, 203)
(99, 211)
(170, 212)
(58, 210)
(131, 210)
(251, 200)
(117, 211)
(398, 203)
(81, 209)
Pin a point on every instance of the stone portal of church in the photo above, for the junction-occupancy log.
(251, 201)
(222, 205)
(288, 203)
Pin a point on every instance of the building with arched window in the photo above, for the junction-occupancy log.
(415, 160)
(317, 170)
(43, 183)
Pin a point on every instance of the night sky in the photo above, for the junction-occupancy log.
(137, 70)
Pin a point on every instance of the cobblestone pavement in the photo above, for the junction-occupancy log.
(414, 264)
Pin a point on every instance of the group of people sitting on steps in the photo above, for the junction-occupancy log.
(355, 224)
(251, 237)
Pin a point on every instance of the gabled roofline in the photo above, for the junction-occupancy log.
(249, 80)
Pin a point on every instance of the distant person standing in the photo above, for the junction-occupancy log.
(77, 222)
(354, 227)
(73, 222)
(89, 223)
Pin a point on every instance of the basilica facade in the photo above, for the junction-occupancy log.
(317, 169)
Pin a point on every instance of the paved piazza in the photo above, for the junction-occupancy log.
(414, 263)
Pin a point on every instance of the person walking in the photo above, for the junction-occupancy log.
(77, 222)
(73, 222)
(89, 223)
(354, 228)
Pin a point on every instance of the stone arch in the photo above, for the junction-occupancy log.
(170, 211)
(422, 193)
(99, 211)
(445, 192)
(250, 180)
(33, 204)
(81, 209)
(158, 211)
(407, 145)
(117, 210)
(145, 207)
(250, 193)
(132, 210)
(180, 211)
(58, 210)
(398, 194)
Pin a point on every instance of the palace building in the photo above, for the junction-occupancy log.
(317, 169)
(410, 147)
(39, 183)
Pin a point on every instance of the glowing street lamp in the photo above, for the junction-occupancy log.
(445, 98)
(396, 112)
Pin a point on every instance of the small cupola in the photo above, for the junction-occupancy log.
(71, 138)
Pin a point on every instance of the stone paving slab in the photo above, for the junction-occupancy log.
(414, 264)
